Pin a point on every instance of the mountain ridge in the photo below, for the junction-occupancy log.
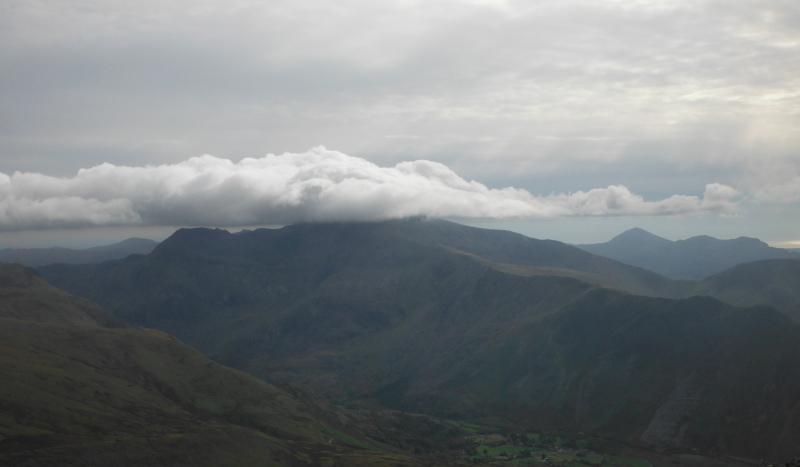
(35, 257)
(772, 282)
(693, 258)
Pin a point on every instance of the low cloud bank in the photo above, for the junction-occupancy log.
(319, 185)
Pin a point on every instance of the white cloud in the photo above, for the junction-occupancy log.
(319, 185)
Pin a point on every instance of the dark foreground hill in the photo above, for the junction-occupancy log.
(78, 392)
(693, 258)
(468, 324)
(35, 257)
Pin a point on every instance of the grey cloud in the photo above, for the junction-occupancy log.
(788, 192)
(531, 87)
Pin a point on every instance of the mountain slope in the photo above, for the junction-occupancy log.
(693, 258)
(24, 295)
(408, 315)
(34, 257)
(515, 249)
(78, 393)
(774, 282)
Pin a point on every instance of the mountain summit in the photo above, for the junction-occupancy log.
(639, 236)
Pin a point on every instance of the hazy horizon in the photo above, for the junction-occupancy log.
(595, 233)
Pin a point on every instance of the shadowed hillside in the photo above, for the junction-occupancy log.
(693, 258)
(76, 392)
(452, 321)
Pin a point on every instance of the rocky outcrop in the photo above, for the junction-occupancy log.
(671, 419)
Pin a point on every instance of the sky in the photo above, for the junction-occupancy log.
(573, 120)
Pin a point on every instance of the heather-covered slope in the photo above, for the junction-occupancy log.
(395, 314)
(35, 257)
(693, 258)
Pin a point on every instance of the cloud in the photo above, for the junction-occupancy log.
(695, 86)
(788, 192)
(318, 185)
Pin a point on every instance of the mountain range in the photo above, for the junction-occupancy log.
(471, 324)
(34, 257)
(693, 258)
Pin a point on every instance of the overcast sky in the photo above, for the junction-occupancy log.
(563, 119)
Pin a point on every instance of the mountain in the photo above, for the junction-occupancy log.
(35, 257)
(774, 282)
(81, 388)
(198, 276)
(693, 258)
(468, 324)
(540, 257)
(25, 296)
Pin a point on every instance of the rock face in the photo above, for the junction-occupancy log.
(671, 420)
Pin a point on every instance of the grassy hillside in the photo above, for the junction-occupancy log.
(24, 295)
(78, 393)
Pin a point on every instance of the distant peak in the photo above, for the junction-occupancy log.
(636, 231)
(198, 237)
(135, 240)
(199, 232)
(751, 240)
(740, 241)
(637, 234)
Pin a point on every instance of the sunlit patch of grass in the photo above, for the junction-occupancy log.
(632, 462)
(343, 437)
